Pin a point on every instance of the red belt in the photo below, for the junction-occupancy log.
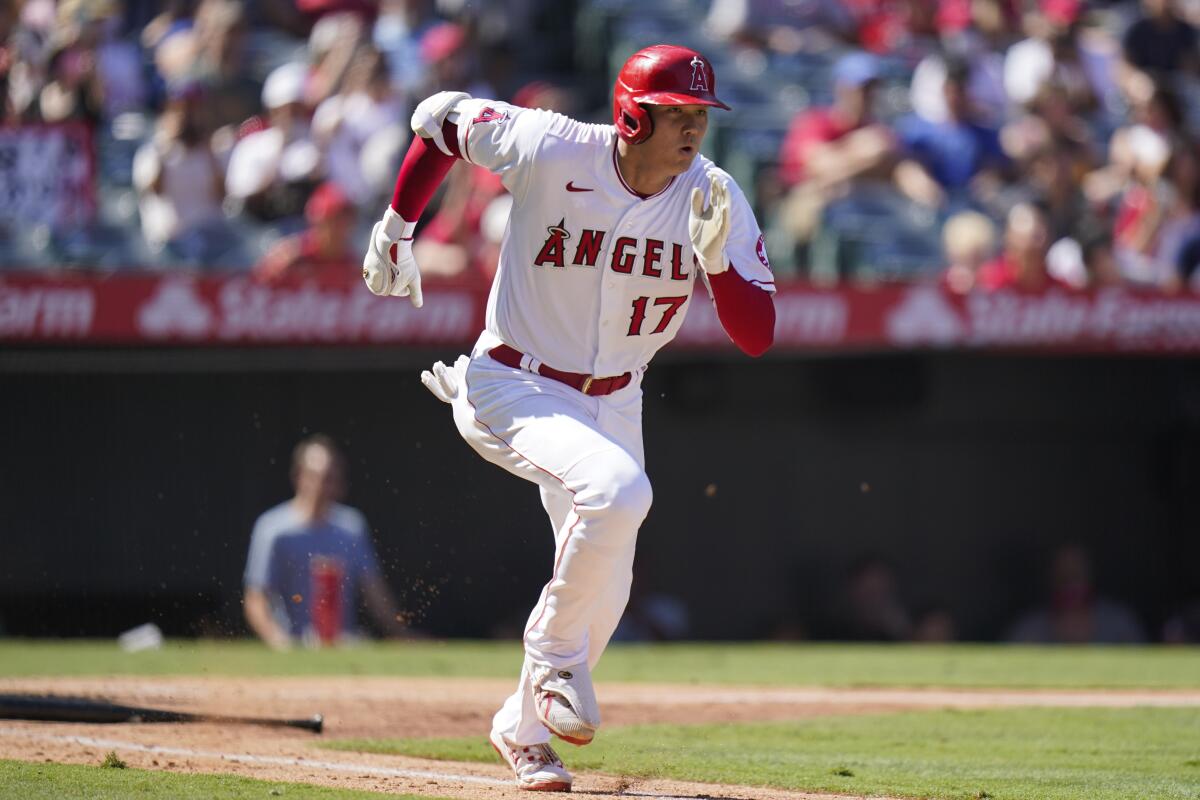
(584, 383)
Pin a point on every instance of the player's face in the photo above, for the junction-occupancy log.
(678, 134)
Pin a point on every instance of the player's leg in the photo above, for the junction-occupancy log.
(592, 562)
(548, 433)
(517, 718)
(620, 416)
(596, 494)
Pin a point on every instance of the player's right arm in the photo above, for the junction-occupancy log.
(448, 126)
(257, 608)
(256, 603)
(389, 267)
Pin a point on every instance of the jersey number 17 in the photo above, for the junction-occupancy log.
(673, 304)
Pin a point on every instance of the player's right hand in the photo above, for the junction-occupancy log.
(389, 267)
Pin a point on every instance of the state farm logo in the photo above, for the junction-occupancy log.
(924, 317)
(175, 309)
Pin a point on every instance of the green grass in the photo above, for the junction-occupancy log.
(1013, 754)
(68, 781)
(764, 664)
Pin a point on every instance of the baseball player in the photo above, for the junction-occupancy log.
(609, 228)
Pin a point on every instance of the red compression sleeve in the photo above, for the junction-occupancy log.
(423, 170)
(747, 312)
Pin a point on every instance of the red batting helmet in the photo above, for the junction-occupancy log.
(663, 74)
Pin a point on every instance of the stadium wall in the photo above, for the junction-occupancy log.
(132, 478)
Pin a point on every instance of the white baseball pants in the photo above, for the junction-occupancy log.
(585, 454)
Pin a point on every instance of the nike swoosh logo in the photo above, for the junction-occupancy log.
(571, 187)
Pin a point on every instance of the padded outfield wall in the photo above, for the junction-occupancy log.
(131, 478)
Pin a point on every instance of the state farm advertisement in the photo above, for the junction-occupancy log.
(180, 310)
(152, 309)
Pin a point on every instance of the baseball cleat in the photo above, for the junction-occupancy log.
(566, 702)
(536, 766)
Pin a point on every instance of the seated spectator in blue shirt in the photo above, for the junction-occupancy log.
(311, 557)
(956, 150)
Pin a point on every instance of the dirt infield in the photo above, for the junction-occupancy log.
(371, 707)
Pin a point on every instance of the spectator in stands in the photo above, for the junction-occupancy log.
(1050, 56)
(652, 614)
(782, 26)
(908, 28)
(1131, 185)
(870, 607)
(180, 183)
(363, 129)
(220, 63)
(1160, 42)
(450, 61)
(397, 33)
(980, 31)
(1022, 263)
(829, 151)
(27, 49)
(950, 154)
(1143, 206)
(969, 241)
(174, 16)
(1099, 261)
(934, 625)
(170, 39)
(325, 251)
(332, 46)
(1180, 221)
(272, 171)
(1183, 627)
(1075, 613)
(829, 146)
(74, 89)
(310, 558)
(119, 66)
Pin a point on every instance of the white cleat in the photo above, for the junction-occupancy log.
(566, 702)
(536, 766)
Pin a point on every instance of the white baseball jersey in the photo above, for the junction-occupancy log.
(593, 278)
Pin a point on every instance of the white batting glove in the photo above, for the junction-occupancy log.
(431, 112)
(442, 382)
(709, 227)
(389, 267)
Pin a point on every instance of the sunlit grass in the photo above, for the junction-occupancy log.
(1011, 754)
(720, 663)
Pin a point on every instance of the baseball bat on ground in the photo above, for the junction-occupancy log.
(84, 709)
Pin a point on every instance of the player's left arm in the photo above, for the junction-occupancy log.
(730, 250)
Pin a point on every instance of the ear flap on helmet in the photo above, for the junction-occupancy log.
(633, 121)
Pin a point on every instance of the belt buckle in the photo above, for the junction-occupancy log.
(587, 384)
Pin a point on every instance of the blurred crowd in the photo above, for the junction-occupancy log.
(1068, 603)
(1045, 142)
(980, 143)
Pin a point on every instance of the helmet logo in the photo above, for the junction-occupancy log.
(699, 79)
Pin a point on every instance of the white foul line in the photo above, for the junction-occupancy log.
(333, 766)
(248, 758)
